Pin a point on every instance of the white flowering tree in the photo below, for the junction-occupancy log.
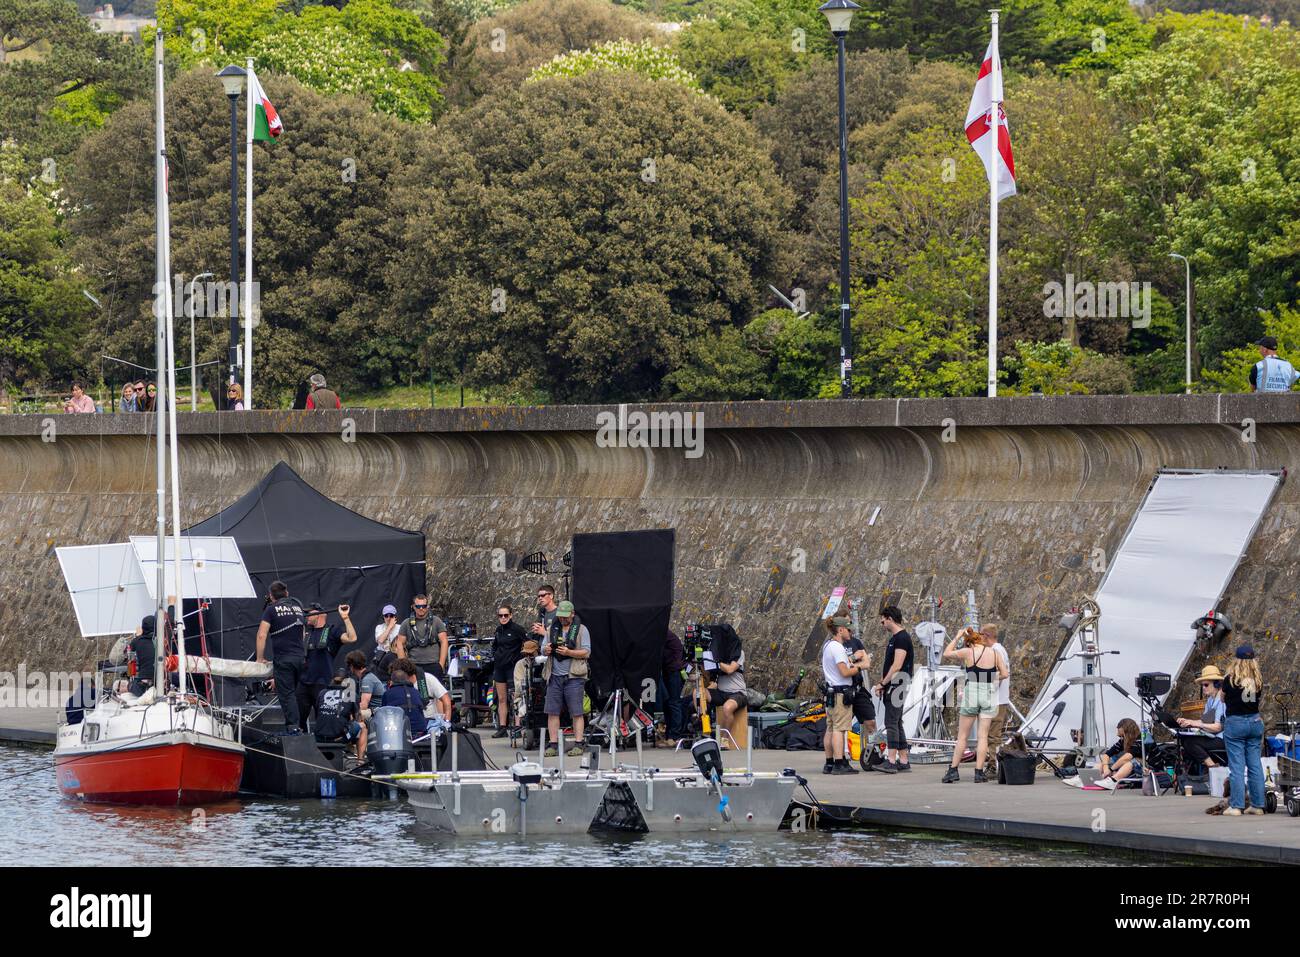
(644, 58)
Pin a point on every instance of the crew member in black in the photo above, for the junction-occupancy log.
(892, 689)
(507, 647)
(336, 715)
(426, 638)
(322, 645)
(283, 623)
(141, 657)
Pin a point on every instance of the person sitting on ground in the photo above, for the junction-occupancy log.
(1205, 732)
(568, 650)
(838, 672)
(79, 402)
(1123, 758)
(979, 699)
(128, 399)
(523, 677)
(337, 716)
(320, 397)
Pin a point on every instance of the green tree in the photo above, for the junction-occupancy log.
(644, 58)
(1098, 34)
(58, 78)
(719, 366)
(599, 225)
(744, 66)
(1059, 368)
(320, 207)
(43, 315)
(958, 29)
(511, 44)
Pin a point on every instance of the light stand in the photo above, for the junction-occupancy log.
(1083, 626)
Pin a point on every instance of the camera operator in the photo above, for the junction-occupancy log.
(568, 649)
(423, 631)
(839, 672)
(1203, 734)
(322, 644)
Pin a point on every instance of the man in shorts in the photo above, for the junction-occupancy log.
(838, 671)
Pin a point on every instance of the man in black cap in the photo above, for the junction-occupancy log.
(323, 644)
(1271, 373)
(283, 623)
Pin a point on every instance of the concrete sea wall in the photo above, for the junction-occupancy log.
(1011, 497)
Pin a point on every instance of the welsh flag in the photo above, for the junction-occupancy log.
(266, 122)
(986, 99)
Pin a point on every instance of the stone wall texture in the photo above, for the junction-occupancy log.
(1010, 497)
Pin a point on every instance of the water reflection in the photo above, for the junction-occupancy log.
(51, 830)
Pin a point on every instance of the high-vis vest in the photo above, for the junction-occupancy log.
(1274, 375)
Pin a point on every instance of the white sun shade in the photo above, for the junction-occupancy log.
(114, 586)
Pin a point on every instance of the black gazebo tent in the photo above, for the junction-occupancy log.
(323, 551)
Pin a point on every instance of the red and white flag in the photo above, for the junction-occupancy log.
(987, 97)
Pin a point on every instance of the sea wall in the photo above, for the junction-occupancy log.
(1011, 496)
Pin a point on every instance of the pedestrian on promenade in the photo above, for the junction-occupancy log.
(128, 398)
(838, 672)
(79, 401)
(321, 397)
(979, 699)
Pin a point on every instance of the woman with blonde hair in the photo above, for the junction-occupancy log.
(985, 670)
(234, 397)
(1243, 733)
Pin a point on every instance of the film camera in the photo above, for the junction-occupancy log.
(1153, 684)
(458, 629)
(1212, 626)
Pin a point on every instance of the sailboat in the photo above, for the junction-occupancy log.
(166, 745)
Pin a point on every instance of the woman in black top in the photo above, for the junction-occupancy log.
(1122, 759)
(507, 645)
(1243, 733)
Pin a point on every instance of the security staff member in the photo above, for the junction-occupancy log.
(1271, 373)
(283, 622)
(426, 638)
(839, 671)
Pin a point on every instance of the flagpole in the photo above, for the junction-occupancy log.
(995, 130)
(246, 300)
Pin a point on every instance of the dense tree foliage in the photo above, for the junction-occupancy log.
(609, 190)
(576, 236)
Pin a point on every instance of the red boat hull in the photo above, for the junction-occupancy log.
(167, 774)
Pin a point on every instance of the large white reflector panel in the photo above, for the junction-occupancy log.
(211, 566)
(107, 588)
(1172, 567)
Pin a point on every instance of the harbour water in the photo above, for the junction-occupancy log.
(42, 828)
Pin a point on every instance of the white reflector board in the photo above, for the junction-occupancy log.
(1173, 566)
(211, 566)
(107, 588)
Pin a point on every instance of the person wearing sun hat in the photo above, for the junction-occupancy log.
(1204, 734)
(1243, 732)
(567, 649)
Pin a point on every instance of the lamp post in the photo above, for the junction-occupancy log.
(838, 14)
(194, 369)
(232, 78)
(1188, 300)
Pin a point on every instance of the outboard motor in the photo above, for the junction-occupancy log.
(708, 758)
(390, 750)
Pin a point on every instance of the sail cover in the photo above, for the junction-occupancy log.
(1173, 565)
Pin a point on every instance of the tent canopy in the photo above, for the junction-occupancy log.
(284, 525)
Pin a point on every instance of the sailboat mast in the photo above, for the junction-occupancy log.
(162, 287)
(174, 435)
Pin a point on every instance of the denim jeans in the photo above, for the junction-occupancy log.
(1242, 735)
(670, 692)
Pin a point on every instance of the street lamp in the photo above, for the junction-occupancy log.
(232, 78)
(838, 14)
(194, 369)
(1187, 296)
